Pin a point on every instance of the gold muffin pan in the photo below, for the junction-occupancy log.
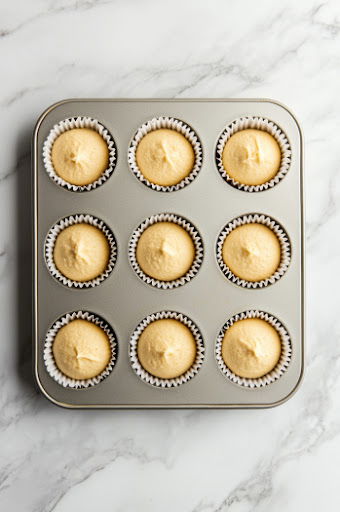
(209, 300)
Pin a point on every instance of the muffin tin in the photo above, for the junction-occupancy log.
(209, 299)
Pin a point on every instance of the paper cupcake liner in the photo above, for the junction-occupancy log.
(148, 377)
(284, 244)
(69, 124)
(166, 217)
(258, 123)
(280, 368)
(172, 124)
(51, 240)
(50, 364)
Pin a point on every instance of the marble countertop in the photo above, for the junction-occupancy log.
(286, 458)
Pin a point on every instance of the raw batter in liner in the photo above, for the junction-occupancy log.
(81, 252)
(251, 348)
(166, 348)
(81, 350)
(165, 251)
(252, 252)
(165, 157)
(251, 157)
(80, 156)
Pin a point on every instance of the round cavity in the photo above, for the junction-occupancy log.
(253, 349)
(165, 157)
(166, 251)
(253, 154)
(166, 349)
(80, 251)
(79, 154)
(80, 350)
(253, 251)
(165, 154)
(251, 157)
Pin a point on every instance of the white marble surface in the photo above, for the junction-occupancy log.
(204, 461)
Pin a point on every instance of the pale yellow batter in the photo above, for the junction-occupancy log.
(81, 350)
(166, 348)
(81, 252)
(252, 252)
(165, 251)
(251, 157)
(165, 157)
(251, 348)
(80, 156)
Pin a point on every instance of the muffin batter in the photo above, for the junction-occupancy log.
(251, 348)
(80, 156)
(165, 251)
(251, 157)
(81, 252)
(81, 349)
(252, 252)
(165, 157)
(166, 348)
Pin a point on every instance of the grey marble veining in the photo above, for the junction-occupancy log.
(197, 461)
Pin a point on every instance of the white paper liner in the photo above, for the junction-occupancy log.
(148, 377)
(280, 368)
(258, 123)
(50, 364)
(197, 240)
(69, 124)
(51, 240)
(284, 244)
(172, 124)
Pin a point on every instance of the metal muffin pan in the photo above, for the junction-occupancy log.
(209, 299)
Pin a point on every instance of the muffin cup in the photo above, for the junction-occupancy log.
(278, 370)
(51, 240)
(196, 264)
(284, 244)
(258, 123)
(50, 363)
(148, 377)
(172, 124)
(69, 124)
